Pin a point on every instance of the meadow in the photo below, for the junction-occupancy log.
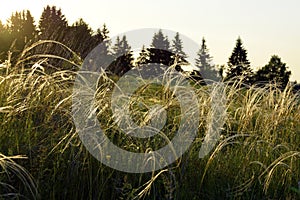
(42, 156)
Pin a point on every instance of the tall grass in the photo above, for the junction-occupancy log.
(257, 157)
(12, 175)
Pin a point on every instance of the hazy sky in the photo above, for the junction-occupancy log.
(267, 27)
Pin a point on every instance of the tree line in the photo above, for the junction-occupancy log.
(20, 32)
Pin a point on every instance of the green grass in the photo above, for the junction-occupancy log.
(42, 157)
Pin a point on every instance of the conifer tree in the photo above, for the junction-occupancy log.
(5, 41)
(53, 24)
(159, 51)
(123, 57)
(21, 31)
(160, 41)
(80, 29)
(204, 63)
(238, 63)
(29, 29)
(102, 36)
(177, 46)
(143, 57)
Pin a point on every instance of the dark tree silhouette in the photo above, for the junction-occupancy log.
(274, 72)
(144, 56)
(177, 46)
(80, 38)
(179, 55)
(29, 28)
(238, 63)
(121, 46)
(205, 65)
(21, 31)
(103, 37)
(159, 41)
(21, 27)
(5, 41)
(103, 53)
(104, 32)
(123, 57)
(160, 51)
(53, 24)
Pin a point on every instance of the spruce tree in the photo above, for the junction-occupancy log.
(121, 46)
(53, 24)
(117, 47)
(29, 28)
(21, 30)
(177, 46)
(105, 32)
(159, 51)
(180, 56)
(204, 63)
(5, 41)
(123, 57)
(143, 57)
(160, 41)
(80, 29)
(104, 54)
(238, 63)
(124, 45)
(102, 36)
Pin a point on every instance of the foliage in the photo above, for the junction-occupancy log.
(160, 41)
(257, 157)
(52, 24)
(205, 65)
(238, 63)
(18, 32)
(274, 72)
(122, 53)
(161, 53)
(177, 47)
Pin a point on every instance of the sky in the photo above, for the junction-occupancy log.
(266, 27)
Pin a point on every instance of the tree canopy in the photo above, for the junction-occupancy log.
(205, 64)
(238, 64)
(274, 72)
(20, 31)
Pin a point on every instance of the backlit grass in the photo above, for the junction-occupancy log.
(257, 157)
